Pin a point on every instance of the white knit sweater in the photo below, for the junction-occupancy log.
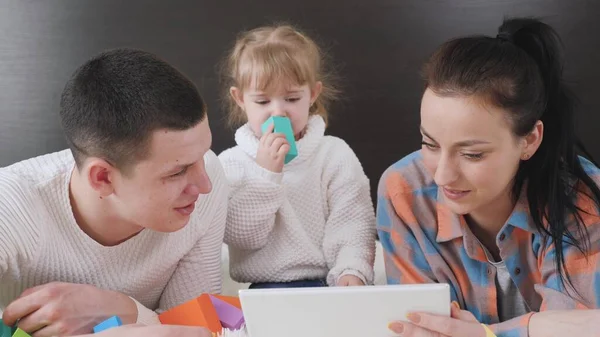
(314, 220)
(40, 242)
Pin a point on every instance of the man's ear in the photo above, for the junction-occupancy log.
(100, 175)
(238, 97)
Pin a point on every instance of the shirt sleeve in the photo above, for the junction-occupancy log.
(405, 261)
(256, 195)
(18, 232)
(349, 242)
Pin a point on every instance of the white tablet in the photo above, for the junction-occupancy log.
(338, 311)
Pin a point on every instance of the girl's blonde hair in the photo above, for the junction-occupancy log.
(270, 56)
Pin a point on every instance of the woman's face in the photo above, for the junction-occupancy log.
(470, 150)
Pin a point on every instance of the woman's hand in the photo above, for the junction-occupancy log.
(565, 323)
(461, 323)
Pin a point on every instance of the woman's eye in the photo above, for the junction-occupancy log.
(473, 156)
(429, 145)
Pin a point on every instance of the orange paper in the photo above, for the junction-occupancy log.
(197, 312)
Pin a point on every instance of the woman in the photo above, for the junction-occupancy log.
(496, 203)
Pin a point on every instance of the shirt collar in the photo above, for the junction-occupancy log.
(452, 225)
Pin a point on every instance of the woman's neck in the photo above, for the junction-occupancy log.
(487, 221)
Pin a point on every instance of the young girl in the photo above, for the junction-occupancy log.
(309, 222)
(496, 203)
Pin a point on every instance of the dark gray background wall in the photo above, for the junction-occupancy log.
(378, 47)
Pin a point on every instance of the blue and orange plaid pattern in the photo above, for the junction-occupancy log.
(425, 242)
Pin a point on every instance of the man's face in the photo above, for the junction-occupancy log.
(160, 191)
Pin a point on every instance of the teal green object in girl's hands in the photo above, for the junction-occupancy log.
(283, 125)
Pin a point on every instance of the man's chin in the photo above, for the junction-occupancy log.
(172, 226)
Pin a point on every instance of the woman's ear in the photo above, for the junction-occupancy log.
(532, 141)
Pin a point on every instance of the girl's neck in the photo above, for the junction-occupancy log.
(301, 134)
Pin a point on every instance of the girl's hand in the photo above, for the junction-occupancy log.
(272, 149)
(461, 323)
(349, 280)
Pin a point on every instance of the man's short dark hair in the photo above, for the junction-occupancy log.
(115, 101)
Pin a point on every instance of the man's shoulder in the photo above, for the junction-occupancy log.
(36, 170)
(15, 192)
(21, 182)
(234, 157)
(214, 169)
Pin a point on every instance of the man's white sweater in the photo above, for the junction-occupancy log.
(315, 220)
(40, 242)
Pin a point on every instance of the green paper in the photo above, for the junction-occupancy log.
(283, 125)
(20, 333)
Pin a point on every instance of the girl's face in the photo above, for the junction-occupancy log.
(470, 150)
(292, 101)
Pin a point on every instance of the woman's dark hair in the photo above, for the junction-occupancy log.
(520, 70)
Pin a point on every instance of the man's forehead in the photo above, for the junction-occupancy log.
(169, 148)
(198, 134)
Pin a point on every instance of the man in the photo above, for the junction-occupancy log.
(130, 220)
